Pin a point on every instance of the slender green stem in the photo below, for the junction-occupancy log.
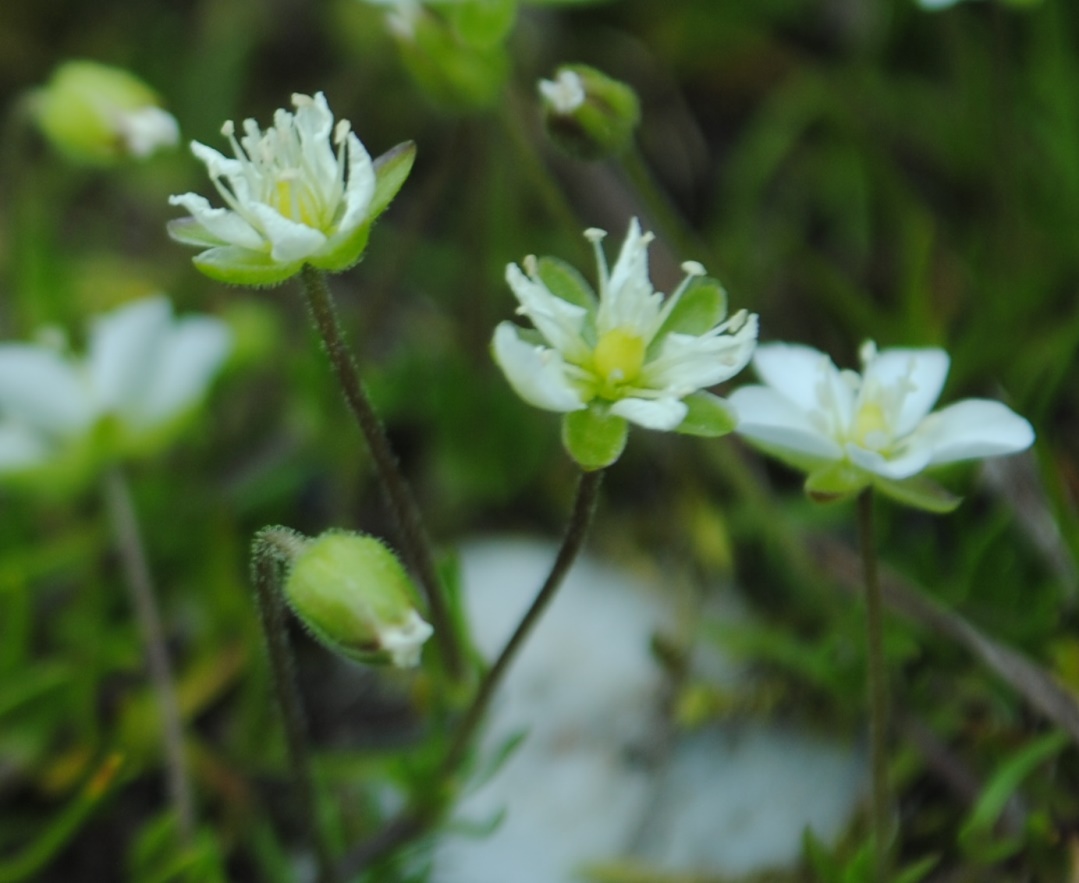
(878, 687)
(266, 553)
(416, 545)
(584, 508)
(143, 598)
(415, 820)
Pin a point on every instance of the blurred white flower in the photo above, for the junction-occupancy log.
(143, 369)
(849, 430)
(565, 93)
(292, 197)
(630, 352)
(98, 114)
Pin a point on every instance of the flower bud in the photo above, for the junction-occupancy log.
(97, 115)
(356, 598)
(588, 114)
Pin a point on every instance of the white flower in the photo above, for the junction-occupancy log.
(142, 370)
(875, 427)
(98, 114)
(565, 93)
(631, 353)
(292, 197)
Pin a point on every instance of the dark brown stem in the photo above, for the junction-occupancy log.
(144, 600)
(414, 541)
(415, 821)
(266, 553)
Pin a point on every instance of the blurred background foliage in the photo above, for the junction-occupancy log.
(849, 169)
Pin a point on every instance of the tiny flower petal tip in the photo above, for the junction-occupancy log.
(850, 430)
(304, 191)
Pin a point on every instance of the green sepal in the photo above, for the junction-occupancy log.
(345, 588)
(708, 416)
(835, 482)
(244, 266)
(564, 281)
(345, 254)
(919, 492)
(392, 169)
(483, 23)
(593, 438)
(702, 306)
(188, 231)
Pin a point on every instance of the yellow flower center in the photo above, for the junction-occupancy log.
(870, 429)
(293, 201)
(618, 358)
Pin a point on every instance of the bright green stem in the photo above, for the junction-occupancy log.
(414, 821)
(266, 553)
(878, 687)
(416, 546)
(143, 598)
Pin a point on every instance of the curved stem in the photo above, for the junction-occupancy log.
(266, 552)
(143, 598)
(414, 821)
(416, 545)
(878, 686)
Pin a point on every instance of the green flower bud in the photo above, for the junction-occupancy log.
(588, 114)
(98, 115)
(356, 598)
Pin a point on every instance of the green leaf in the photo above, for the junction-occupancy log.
(708, 416)
(565, 282)
(835, 482)
(391, 171)
(919, 492)
(701, 307)
(594, 439)
(978, 836)
(483, 23)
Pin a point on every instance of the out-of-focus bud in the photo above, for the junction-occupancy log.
(588, 114)
(97, 115)
(356, 598)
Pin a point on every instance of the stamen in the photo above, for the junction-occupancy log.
(596, 237)
(228, 129)
(693, 268)
(531, 265)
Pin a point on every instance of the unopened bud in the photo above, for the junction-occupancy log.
(99, 115)
(356, 598)
(587, 113)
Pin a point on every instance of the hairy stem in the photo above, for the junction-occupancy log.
(265, 556)
(415, 821)
(878, 687)
(415, 544)
(140, 586)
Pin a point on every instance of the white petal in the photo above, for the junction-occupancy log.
(217, 164)
(124, 344)
(290, 241)
(975, 428)
(225, 225)
(186, 363)
(663, 414)
(630, 301)
(559, 321)
(537, 374)
(794, 371)
(771, 418)
(910, 462)
(405, 642)
(686, 363)
(43, 390)
(925, 369)
(21, 448)
(360, 186)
